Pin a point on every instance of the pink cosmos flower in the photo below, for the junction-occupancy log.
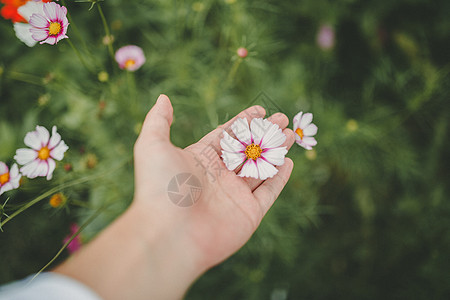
(256, 148)
(76, 243)
(325, 37)
(49, 26)
(40, 159)
(9, 179)
(130, 57)
(305, 130)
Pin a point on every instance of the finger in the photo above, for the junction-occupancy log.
(268, 192)
(212, 139)
(290, 139)
(158, 120)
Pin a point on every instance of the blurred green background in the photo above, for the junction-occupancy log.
(365, 215)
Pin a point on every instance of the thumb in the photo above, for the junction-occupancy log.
(158, 120)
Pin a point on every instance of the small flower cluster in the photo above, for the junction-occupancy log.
(38, 160)
(37, 20)
(257, 148)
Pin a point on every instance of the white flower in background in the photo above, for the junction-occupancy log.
(9, 179)
(305, 130)
(45, 149)
(22, 30)
(256, 148)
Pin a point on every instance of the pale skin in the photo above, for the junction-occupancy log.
(157, 249)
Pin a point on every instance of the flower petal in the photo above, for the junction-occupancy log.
(41, 169)
(306, 120)
(249, 169)
(54, 139)
(309, 140)
(274, 137)
(3, 168)
(24, 156)
(32, 140)
(230, 144)
(51, 168)
(233, 160)
(258, 128)
(29, 169)
(38, 21)
(58, 152)
(310, 130)
(30, 8)
(44, 135)
(275, 156)
(265, 169)
(6, 187)
(15, 176)
(38, 34)
(51, 10)
(23, 33)
(241, 130)
(297, 119)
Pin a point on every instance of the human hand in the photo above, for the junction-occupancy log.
(156, 249)
(230, 207)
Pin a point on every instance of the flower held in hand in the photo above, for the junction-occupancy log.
(305, 130)
(257, 148)
(40, 159)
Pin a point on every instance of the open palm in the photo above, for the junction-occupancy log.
(229, 208)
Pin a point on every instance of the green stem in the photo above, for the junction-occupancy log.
(131, 82)
(86, 223)
(80, 57)
(25, 78)
(233, 71)
(108, 34)
(75, 29)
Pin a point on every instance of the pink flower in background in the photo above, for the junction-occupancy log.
(305, 130)
(325, 37)
(256, 148)
(50, 26)
(130, 57)
(45, 149)
(9, 179)
(76, 243)
(242, 52)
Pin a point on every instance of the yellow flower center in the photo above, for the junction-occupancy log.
(299, 131)
(54, 28)
(129, 63)
(44, 153)
(4, 178)
(253, 151)
(57, 200)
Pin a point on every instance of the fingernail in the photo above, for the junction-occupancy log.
(161, 97)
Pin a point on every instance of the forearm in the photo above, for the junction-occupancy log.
(135, 258)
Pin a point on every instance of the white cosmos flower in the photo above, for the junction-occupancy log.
(257, 148)
(40, 159)
(305, 130)
(9, 179)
